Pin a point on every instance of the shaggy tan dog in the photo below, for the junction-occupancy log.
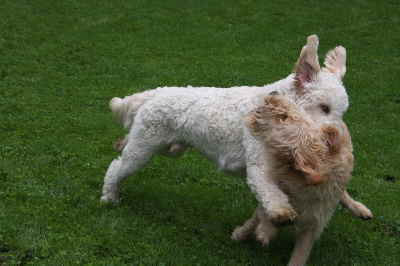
(310, 162)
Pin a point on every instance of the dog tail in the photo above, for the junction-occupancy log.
(125, 109)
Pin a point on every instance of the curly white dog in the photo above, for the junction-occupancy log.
(210, 119)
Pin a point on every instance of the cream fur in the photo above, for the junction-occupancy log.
(290, 135)
(210, 119)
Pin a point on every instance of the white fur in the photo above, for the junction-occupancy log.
(211, 120)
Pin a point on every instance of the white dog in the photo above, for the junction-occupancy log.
(211, 120)
(311, 162)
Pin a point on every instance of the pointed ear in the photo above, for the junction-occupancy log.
(335, 62)
(307, 65)
(332, 138)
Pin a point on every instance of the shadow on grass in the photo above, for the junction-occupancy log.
(206, 215)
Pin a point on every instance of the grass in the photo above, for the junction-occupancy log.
(61, 62)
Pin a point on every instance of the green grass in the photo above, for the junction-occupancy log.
(61, 62)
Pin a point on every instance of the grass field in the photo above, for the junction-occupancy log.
(61, 62)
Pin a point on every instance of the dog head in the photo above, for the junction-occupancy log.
(320, 91)
(319, 151)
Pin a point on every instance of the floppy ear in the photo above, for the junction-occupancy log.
(307, 65)
(280, 108)
(335, 62)
(257, 121)
(276, 109)
(307, 163)
(332, 139)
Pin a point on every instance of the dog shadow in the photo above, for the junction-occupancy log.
(206, 217)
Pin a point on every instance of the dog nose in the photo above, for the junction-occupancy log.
(314, 180)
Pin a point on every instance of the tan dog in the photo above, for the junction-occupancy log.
(310, 162)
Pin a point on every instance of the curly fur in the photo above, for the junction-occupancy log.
(169, 119)
(300, 152)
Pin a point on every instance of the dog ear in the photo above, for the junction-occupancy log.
(256, 121)
(276, 109)
(332, 139)
(335, 62)
(307, 163)
(307, 65)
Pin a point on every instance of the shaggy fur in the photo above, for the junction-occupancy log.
(311, 162)
(167, 120)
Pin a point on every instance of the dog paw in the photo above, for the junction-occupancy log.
(264, 240)
(262, 237)
(239, 234)
(109, 199)
(361, 211)
(282, 215)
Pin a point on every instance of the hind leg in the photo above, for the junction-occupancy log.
(139, 149)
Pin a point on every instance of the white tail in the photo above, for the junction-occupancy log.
(125, 109)
(116, 104)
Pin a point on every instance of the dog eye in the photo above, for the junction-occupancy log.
(325, 108)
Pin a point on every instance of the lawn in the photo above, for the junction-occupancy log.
(61, 62)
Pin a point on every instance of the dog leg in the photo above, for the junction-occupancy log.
(244, 231)
(273, 200)
(302, 248)
(265, 230)
(139, 149)
(357, 208)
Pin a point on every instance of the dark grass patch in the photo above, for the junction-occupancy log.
(390, 178)
(389, 227)
(10, 255)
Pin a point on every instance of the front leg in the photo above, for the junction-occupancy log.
(302, 248)
(275, 203)
(269, 195)
(357, 208)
